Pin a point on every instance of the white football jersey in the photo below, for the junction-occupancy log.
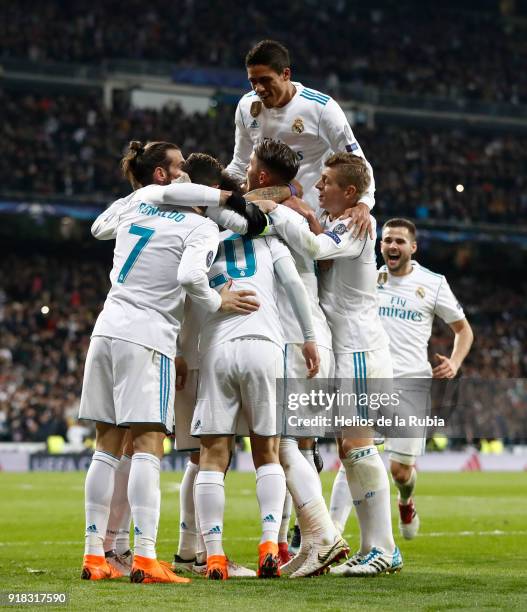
(306, 270)
(145, 302)
(347, 291)
(311, 123)
(250, 264)
(407, 306)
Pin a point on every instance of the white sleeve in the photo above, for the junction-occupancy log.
(336, 131)
(322, 246)
(230, 219)
(296, 292)
(447, 307)
(106, 224)
(180, 194)
(243, 147)
(199, 252)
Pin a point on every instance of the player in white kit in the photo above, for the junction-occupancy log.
(160, 252)
(240, 360)
(191, 553)
(410, 296)
(348, 297)
(273, 163)
(310, 122)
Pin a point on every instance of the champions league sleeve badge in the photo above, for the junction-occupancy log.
(298, 126)
(256, 108)
(340, 229)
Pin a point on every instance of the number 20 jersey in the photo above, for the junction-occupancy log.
(250, 265)
(145, 303)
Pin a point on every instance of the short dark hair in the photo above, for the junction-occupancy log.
(278, 158)
(351, 170)
(229, 183)
(203, 169)
(269, 53)
(140, 161)
(400, 222)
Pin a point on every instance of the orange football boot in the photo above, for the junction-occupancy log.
(151, 570)
(95, 567)
(283, 553)
(268, 560)
(217, 567)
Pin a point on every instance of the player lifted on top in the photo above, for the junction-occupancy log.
(410, 296)
(310, 122)
(348, 297)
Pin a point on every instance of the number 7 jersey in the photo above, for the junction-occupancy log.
(250, 265)
(145, 303)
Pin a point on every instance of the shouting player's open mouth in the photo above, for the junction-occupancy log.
(394, 257)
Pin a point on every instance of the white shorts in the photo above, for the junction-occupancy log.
(295, 373)
(414, 400)
(184, 411)
(238, 378)
(295, 365)
(126, 383)
(355, 374)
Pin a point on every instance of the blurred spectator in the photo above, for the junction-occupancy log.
(42, 355)
(410, 47)
(71, 146)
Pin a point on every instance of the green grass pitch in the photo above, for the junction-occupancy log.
(471, 552)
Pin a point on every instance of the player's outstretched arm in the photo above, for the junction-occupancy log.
(188, 195)
(243, 147)
(296, 292)
(106, 224)
(327, 245)
(463, 338)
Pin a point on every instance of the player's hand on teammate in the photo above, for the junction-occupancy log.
(181, 373)
(446, 367)
(359, 216)
(298, 205)
(266, 206)
(312, 358)
(240, 302)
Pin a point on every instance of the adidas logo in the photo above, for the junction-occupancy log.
(214, 530)
(269, 519)
(197, 425)
(137, 531)
(254, 124)
(92, 529)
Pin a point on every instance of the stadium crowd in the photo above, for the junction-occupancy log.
(69, 146)
(408, 48)
(42, 354)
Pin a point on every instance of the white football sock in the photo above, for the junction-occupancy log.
(118, 530)
(209, 494)
(341, 503)
(310, 456)
(370, 490)
(406, 489)
(187, 513)
(302, 481)
(98, 492)
(286, 517)
(270, 491)
(145, 501)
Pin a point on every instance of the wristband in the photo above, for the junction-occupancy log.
(292, 189)
(236, 202)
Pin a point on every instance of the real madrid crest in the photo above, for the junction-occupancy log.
(298, 126)
(256, 108)
(420, 292)
(382, 278)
